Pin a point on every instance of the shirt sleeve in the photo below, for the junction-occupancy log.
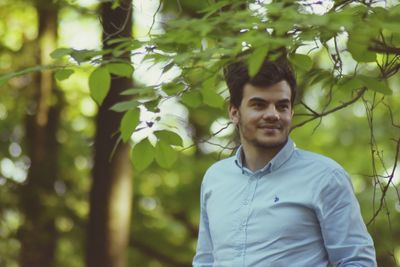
(345, 235)
(204, 251)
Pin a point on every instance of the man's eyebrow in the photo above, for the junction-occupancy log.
(282, 101)
(259, 99)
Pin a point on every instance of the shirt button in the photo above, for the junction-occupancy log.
(245, 202)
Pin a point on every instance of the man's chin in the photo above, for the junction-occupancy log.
(271, 144)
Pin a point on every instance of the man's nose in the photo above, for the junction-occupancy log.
(271, 113)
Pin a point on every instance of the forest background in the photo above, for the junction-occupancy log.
(110, 113)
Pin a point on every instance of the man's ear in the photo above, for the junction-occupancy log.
(234, 114)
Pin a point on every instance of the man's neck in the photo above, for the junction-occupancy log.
(255, 158)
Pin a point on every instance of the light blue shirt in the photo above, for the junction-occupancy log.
(299, 210)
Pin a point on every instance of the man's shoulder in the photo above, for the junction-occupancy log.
(324, 169)
(222, 165)
(220, 170)
(317, 159)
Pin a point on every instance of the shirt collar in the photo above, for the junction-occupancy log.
(274, 164)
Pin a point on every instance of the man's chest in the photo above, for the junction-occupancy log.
(261, 214)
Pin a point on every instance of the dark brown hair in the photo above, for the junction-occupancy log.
(271, 72)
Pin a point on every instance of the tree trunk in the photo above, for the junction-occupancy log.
(38, 233)
(111, 193)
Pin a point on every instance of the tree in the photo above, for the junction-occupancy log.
(38, 233)
(111, 193)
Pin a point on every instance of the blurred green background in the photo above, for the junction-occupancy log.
(45, 207)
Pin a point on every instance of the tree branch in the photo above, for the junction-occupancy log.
(380, 47)
(385, 189)
(322, 114)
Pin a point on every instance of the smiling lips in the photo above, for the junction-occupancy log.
(270, 127)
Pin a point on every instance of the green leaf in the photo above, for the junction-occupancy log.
(115, 5)
(192, 99)
(142, 154)
(193, 75)
(182, 58)
(168, 67)
(302, 62)
(63, 74)
(85, 54)
(360, 53)
(165, 155)
(391, 26)
(152, 105)
(359, 50)
(60, 52)
(129, 122)
(169, 137)
(210, 9)
(120, 69)
(7, 76)
(324, 36)
(256, 59)
(275, 8)
(395, 10)
(211, 98)
(173, 88)
(99, 84)
(350, 83)
(139, 91)
(125, 105)
(376, 85)
(320, 76)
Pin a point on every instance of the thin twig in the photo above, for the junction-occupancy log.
(154, 17)
(309, 109)
(121, 28)
(343, 105)
(385, 189)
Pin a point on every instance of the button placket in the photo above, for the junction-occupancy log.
(252, 185)
(244, 211)
(246, 197)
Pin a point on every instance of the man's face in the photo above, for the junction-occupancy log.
(264, 116)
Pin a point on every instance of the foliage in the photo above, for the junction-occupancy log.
(346, 55)
(358, 42)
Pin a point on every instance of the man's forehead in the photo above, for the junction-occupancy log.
(281, 89)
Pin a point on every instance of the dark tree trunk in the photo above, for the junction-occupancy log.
(111, 193)
(38, 233)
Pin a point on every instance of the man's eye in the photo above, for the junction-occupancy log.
(258, 105)
(283, 107)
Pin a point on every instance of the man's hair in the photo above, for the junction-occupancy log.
(271, 72)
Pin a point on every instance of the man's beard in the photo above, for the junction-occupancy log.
(257, 143)
(275, 145)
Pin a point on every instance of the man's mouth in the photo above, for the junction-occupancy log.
(270, 127)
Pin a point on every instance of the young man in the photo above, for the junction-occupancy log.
(272, 204)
